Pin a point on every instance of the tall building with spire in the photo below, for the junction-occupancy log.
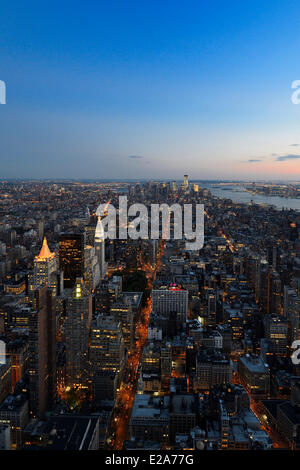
(100, 247)
(186, 182)
(87, 215)
(44, 267)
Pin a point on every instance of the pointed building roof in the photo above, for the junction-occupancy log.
(45, 253)
(99, 232)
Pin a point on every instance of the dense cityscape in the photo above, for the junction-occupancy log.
(143, 344)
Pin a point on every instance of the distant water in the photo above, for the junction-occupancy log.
(242, 196)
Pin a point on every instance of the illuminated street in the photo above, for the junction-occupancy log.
(127, 392)
(256, 407)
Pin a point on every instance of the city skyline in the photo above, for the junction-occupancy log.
(150, 91)
(126, 343)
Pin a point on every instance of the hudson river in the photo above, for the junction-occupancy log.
(246, 197)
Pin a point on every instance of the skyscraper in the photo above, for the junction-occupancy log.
(42, 347)
(174, 186)
(170, 305)
(100, 247)
(44, 267)
(71, 257)
(91, 267)
(77, 330)
(212, 308)
(107, 351)
(292, 311)
(173, 299)
(40, 229)
(276, 331)
(123, 314)
(274, 293)
(186, 182)
(87, 215)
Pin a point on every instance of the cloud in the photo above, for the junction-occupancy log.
(283, 158)
(294, 145)
(135, 156)
(254, 160)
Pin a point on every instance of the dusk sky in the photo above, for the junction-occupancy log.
(150, 89)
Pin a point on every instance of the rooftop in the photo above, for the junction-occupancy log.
(45, 253)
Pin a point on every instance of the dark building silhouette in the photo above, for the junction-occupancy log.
(71, 257)
(42, 333)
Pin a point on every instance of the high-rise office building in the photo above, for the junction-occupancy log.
(172, 299)
(123, 314)
(5, 378)
(295, 284)
(288, 294)
(91, 267)
(42, 348)
(87, 215)
(169, 306)
(44, 267)
(77, 331)
(174, 186)
(71, 257)
(254, 375)
(107, 351)
(40, 229)
(276, 332)
(291, 311)
(186, 182)
(294, 317)
(262, 286)
(274, 293)
(100, 248)
(166, 364)
(151, 358)
(212, 308)
(273, 256)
